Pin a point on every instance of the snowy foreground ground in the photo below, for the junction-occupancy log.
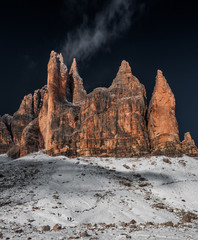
(98, 198)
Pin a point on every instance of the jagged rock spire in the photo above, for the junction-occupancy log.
(124, 77)
(162, 123)
(57, 77)
(161, 82)
(124, 68)
(78, 91)
(63, 119)
(188, 145)
(74, 68)
(126, 84)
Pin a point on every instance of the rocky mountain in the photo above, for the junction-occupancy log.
(64, 120)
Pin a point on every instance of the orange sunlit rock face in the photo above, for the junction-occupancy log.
(77, 89)
(112, 120)
(106, 122)
(188, 145)
(63, 119)
(28, 111)
(162, 124)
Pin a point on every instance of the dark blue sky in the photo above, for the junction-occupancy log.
(164, 35)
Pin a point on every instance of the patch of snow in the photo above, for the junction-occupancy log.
(98, 197)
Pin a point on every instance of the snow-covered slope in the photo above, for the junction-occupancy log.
(98, 198)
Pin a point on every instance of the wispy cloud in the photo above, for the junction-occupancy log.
(107, 25)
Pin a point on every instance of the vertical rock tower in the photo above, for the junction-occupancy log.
(77, 88)
(162, 124)
(64, 120)
(112, 120)
(57, 119)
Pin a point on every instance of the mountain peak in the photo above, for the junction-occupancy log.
(74, 68)
(65, 120)
(124, 68)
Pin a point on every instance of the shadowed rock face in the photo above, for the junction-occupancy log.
(162, 123)
(63, 119)
(31, 140)
(28, 111)
(12, 127)
(5, 137)
(22, 118)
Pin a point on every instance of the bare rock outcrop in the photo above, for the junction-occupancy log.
(28, 111)
(64, 120)
(162, 124)
(112, 121)
(14, 151)
(22, 118)
(58, 116)
(188, 145)
(57, 79)
(5, 137)
(77, 88)
(7, 119)
(108, 122)
(31, 140)
(38, 97)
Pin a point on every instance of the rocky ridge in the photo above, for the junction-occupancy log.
(64, 120)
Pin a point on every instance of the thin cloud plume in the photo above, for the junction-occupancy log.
(107, 25)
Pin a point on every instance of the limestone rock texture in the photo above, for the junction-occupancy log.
(162, 124)
(21, 118)
(28, 111)
(14, 151)
(58, 116)
(188, 145)
(7, 119)
(77, 88)
(5, 137)
(112, 120)
(106, 122)
(63, 119)
(31, 140)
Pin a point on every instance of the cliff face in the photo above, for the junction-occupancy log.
(28, 111)
(78, 93)
(58, 116)
(5, 137)
(162, 123)
(63, 119)
(31, 139)
(112, 121)
(107, 122)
